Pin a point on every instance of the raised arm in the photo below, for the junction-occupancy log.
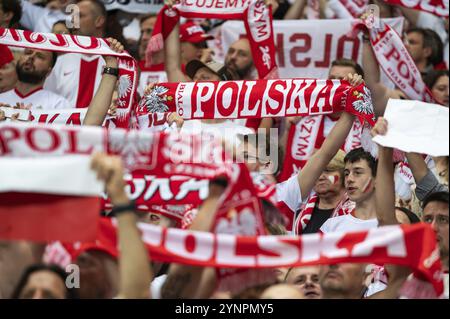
(134, 264)
(380, 93)
(98, 108)
(184, 281)
(385, 194)
(172, 56)
(318, 162)
(296, 10)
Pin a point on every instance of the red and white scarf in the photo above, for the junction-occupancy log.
(384, 245)
(85, 45)
(437, 7)
(258, 99)
(394, 59)
(255, 14)
(344, 207)
(307, 136)
(348, 9)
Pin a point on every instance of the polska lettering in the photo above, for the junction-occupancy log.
(437, 7)
(257, 99)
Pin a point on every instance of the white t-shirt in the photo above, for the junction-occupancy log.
(76, 77)
(156, 286)
(348, 223)
(39, 99)
(39, 19)
(289, 197)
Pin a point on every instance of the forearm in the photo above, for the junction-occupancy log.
(98, 108)
(296, 10)
(172, 56)
(135, 272)
(385, 195)
(418, 166)
(411, 15)
(183, 281)
(373, 79)
(318, 162)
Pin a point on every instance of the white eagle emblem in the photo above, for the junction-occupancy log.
(364, 103)
(134, 147)
(155, 102)
(124, 88)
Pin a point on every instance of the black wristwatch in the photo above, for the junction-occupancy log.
(111, 71)
(119, 209)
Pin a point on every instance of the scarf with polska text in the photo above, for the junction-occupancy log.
(396, 62)
(127, 81)
(395, 244)
(436, 7)
(307, 136)
(257, 18)
(258, 99)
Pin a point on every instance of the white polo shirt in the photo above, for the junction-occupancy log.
(39, 99)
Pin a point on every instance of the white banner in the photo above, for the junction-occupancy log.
(416, 126)
(135, 6)
(306, 48)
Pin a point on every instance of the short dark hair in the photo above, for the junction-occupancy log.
(57, 270)
(145, 17)
(431, 78)
(359, 154)
(431, 40)
(13, 6)
(349, 63)
(99, 5)
(442, 197)
(413, 218)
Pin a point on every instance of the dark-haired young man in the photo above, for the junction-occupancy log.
(33, 67)
(359, 180)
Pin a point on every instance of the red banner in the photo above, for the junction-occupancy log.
(437, 7)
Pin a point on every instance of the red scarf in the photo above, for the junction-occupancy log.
(257, 18)
(437, 7)
(258, 99)
(384, 245)
(307, 136)
(344, 207)
(84, 45)
(394, 59)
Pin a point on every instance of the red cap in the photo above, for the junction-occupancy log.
(5, 55)
(193, 33)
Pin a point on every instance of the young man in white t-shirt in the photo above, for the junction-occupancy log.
(360, 172)
(33, 67)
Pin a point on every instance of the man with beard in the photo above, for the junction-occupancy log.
(32, 69)
(239, 59)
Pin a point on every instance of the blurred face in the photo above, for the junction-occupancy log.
(147, 27)
(247, 153)
(328, 182)
(90, 23)
(205, 74)
(156, 219)
(5, 17)
(239, 58)
(8, 77)
(60, 28)
(189, 52)
(281, 291)
(414, 45)
(307, 281)
(34, 66)
(359, 182)
(44, 284)
(339, 72)
(94, 280)
(347, 279)
(436, 214)
(440, 90)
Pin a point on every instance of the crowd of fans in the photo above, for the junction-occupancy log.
(333, 175)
